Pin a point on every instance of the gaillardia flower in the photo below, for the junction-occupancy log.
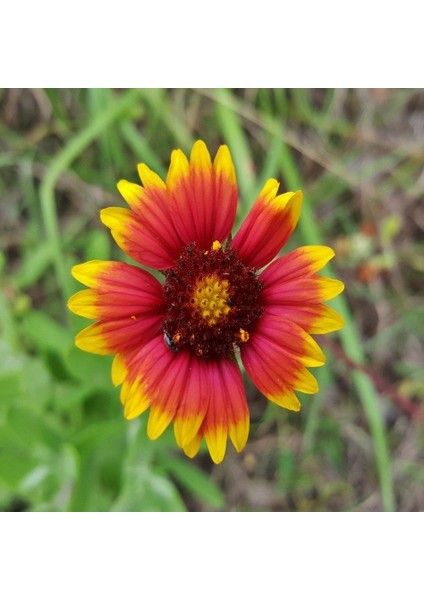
(178, 339)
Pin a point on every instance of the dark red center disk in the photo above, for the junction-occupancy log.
(212, 302)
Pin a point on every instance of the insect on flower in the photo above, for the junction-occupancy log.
(223, 299)
(169, 342)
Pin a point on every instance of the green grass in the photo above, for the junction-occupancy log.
(64, 444)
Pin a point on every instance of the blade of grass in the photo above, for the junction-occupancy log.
(7, 323)
(159, 101)
(110, 142)
(235, 137)
(319, 119)
(140, 146)
(272, 162)
(324, 378)
(61, 162)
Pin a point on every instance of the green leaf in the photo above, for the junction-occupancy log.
(99, 433)
(148, 491)
(97, 245)
(46, 333)
(36, 382)
(89, 367)
(34, 265)
(193, 480)
(14, 465)
(35, 430)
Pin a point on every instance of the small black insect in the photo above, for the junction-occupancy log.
(169, 342)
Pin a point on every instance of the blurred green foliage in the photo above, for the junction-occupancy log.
(358, 155)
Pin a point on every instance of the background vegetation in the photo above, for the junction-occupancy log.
(358, 156)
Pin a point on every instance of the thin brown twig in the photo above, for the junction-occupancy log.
(403, 402)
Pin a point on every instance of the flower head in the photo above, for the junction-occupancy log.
(177, 340)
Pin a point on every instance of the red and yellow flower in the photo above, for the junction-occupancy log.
(177, 340)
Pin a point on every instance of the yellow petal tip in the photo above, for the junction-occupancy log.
(223, 164)
(149, 178)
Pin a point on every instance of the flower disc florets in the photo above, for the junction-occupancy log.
(212, 300)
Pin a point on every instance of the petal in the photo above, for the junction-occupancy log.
(133, 398)
(203, 194)
(132, 193)
(300, 262)
(118, 335)
(237, 409)
(151, 181)
(228, 412)
(127, 301)
(168, 395)
(146, 367)
(194, 405)
(146, 233)
(293, 291)
(160, 379)
(306, 290)
(119, 370)
(216, 429)
(226, 194)
(137, 241)
(151, 204)
(275, 358)
(192, 448)
(204, 398)
(118, 291)
(314, 319)
(166, 387)
(214, 396)
(268, 225)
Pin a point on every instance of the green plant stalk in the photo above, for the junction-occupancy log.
(141, 148)
(324, 378)
(352, 345)
(235, 136)
(60, 163)
(7, 324)
(159, 102)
